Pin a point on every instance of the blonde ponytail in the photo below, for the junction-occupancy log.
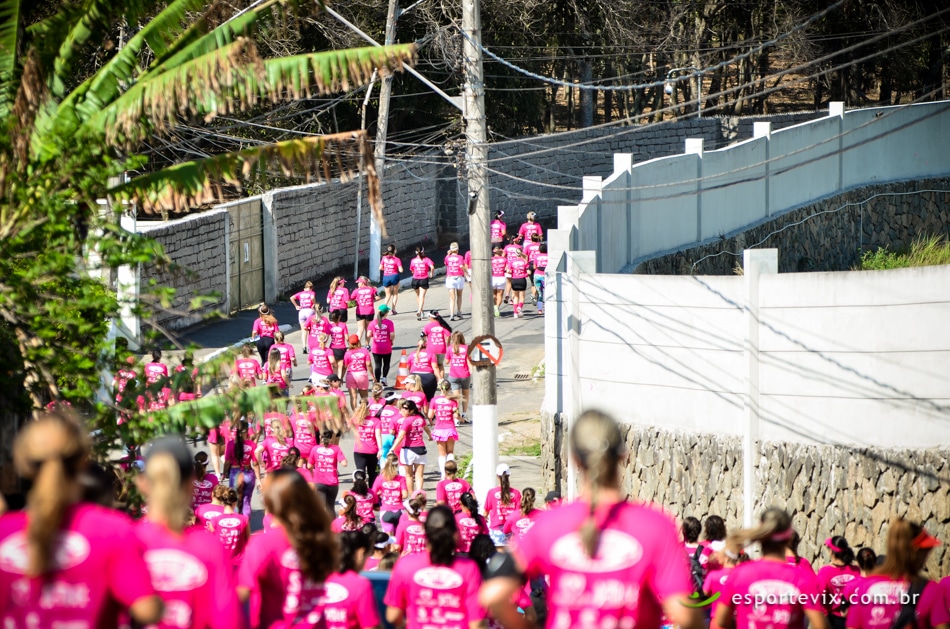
(168, 499)
(598, 446)
(46, 506)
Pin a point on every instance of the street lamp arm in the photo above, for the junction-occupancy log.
(689, 71)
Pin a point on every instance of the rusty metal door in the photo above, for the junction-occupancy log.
(246, 254)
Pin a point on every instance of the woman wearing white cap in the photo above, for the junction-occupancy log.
(500, 503)
(454, 280)
(529, 228)
(498, 228)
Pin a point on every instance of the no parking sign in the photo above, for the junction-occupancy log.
(485, 350)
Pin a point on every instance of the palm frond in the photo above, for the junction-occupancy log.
(9, 31)
(186, 185)
(233, 78)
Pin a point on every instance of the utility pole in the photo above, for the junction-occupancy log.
(484, 397)
(382, 126)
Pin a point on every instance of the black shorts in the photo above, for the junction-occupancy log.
(365, 317)
(339, 353)
(343, 314)
(519, 284)
(423, 283)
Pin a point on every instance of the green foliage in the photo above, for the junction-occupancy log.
(924, 251)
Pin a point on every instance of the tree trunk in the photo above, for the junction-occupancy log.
(586, 96)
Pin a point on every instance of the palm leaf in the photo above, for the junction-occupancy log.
(233, 79)
(9, 29)
(186, 185)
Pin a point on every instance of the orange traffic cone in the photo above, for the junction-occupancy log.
(403, 371)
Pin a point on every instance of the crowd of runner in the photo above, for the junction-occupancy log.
(71, 559)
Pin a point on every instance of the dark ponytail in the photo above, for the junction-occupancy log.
(352, 520)
(326, 437)
(527, 501)
(469, 501)
(239, 442)
(351, 542)
(359, 483)
(441, 533)
(420, 252)
(505, 489)
(840, 549)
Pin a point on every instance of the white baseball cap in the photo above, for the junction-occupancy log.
(502, 469)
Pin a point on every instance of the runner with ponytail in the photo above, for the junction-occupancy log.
(833, 578)
(350, 602)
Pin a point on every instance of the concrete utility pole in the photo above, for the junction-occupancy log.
(382, 127)
(484, 397)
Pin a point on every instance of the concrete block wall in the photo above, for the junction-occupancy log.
(197, 245)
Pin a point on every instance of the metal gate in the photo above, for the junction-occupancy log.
(246, 254)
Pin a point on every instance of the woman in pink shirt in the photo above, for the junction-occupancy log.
(436, 583)
(392, 489)
(338, 298)
(450, 489)
(521, 521)
(609, 562)
(157, 391)
(273, 448)
(324, 460)
(770, 592)
(321, 359)
(306, 433)
(424, 363)
(410, 438)
(519, 270)
(437, 333)
(382, 333)
(247, 369)
(316, 324)
(833, 578)
(444, 412)
(204, 483)
(275, 375)
(240, 461)
(513, 247)
(410, 533)
(498, 228)
(421, 268)
(499, 281)
(365, 297)
(263, 331)
(390, 267)
(368, 441)
(883, 592)
(364, 496)
(530, 227)
(304, 302)
(500, 503)
(338, 336)
(358, 366)
(470, 523)
(205, 514)
(348, 519)
(715, 582)
(350, 603)
(539, 264)
(188, 568)
(415, 393)
(285, 567)
(288, 357)
(80, 551)
(454, 281)
(232, 529)
(459, 369)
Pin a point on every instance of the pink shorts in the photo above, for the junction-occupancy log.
(217, 435)
(357, 381)
(444, 434)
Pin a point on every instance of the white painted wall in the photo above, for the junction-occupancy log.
(857, 358)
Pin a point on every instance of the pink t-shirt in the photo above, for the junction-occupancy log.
(287, 354)
(381, 336)
(714, 584)
(315, 327)
(421, 267)
(349, 602)
(341, 524)
(511, 251)
(940, 615)
(275, 378)
(232, 531)
(469, 527)
(444, 411)
(231, 456)
(419, 397)
(155, 372)
(390, 492)
(279, 592)
(263, 329)
(338, 299)
(414, 427)
(518, 525)
(201, 492)
(832, 581)
(454, 265)
(802, 563)
(99, 571)
(207, 513)
(366, 436)
(498, 512)
(304, 434)
(450, 492)
(422, 361)
(498, 229)
(778, 587)
(273, 452)
(880, 602)
(411, 536)
(498, 266)
(639, 552)
(307, 299)
(389, 419)
(338, 334)
(529, 229)
(365, 297)
(436, 596)
(540, 262)
(319, 359)
(324, 460)
(192, 574)
(365, 504)
(530, 249)
(458, 362)
(390, 265)
(357, 361)
(374, 405)
(436, 337)
(518, 267)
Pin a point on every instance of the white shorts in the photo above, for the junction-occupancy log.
(455, 282)
(499, 283)
(407, 457)
(303, 314)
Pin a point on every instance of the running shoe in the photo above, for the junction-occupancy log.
(497, 312)
(418, 316)
(382, 381)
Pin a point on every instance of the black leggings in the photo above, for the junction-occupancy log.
(329, 493)
(369, 463)
(381, 362)
(263, 347)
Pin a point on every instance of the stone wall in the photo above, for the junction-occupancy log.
(828, 235)
(829, 490)
(197, 247)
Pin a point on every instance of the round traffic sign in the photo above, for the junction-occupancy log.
(485, 350)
